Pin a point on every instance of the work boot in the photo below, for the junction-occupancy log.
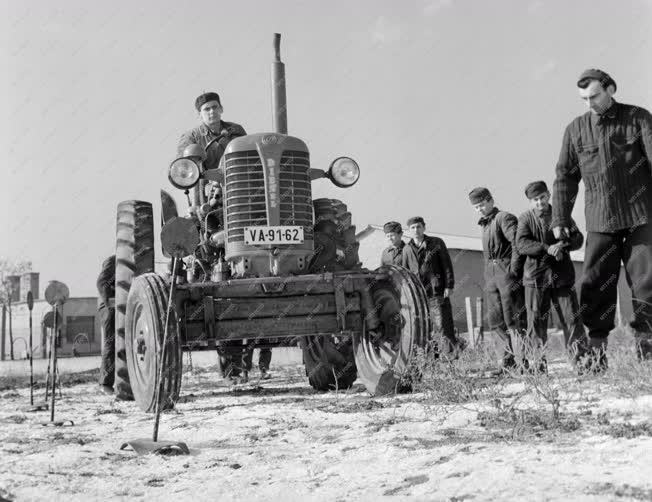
(265, 375)
(594, 359)
(507, 367)
(106, 389)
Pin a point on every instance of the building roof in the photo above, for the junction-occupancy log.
(465, 242)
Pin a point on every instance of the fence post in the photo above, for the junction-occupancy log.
(469, 321)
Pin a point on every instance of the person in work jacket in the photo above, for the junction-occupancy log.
(435, 270)
(398, 252)
(106, 311)
(548, 275)
(214, 134)
(503, 269)
(610, 149)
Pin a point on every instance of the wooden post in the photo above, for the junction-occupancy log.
(469, 321)
(479, 317)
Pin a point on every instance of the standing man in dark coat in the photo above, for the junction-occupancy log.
(609, 147)
(549, 275)
(106, 311)
(503, 270)
(435, 270)
(213, 134)
(398, 253)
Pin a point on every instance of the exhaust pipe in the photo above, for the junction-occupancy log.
(279, 103)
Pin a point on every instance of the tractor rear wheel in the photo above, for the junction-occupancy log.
(334, 231)
(383, 357)
(329, 362)
(134, 256)
(146, 315)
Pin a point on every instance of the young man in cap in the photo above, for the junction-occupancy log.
(503, 268)
(549, 275)
(610, 148)
(398, 253)
(213, 134)
(435, 270)
(106, 310)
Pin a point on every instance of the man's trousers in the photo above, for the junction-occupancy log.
(441, 314)
(107, 364)
(602, 258)
(564, 299)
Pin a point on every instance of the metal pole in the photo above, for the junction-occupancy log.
(31, 362)
(2, 335)
(11, 334)
(47, 373)
(53, 355)
(159, 383)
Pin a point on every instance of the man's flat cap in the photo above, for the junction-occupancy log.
(479, 194)
(535, 189)
(594, 74)
(393, 226)
(416, 219)
(205, 98)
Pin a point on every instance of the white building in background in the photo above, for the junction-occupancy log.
(80, 331)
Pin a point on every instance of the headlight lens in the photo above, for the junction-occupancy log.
(344, 172)
(183, 173)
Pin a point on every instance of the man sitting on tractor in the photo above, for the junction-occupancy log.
(213, 135)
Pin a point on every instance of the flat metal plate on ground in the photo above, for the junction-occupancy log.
(35, 407)
(58, 423)
(147, 446)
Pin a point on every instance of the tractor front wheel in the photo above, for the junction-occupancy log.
(383, 356)
(146, 314)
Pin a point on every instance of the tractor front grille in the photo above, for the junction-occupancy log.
(245, 192)
(296, 191)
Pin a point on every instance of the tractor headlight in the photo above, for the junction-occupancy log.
(183, 173)
(344, 172)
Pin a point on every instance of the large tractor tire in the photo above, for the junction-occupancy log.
(145, 323)
(384, 356)
(134, 256)
(335, 243)
(329, 362)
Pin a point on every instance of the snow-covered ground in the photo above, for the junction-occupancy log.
(280, 440)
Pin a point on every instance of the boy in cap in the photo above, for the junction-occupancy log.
(549, 275)
(398, 253)
(610, 148)
(435, 270)
(503, 269)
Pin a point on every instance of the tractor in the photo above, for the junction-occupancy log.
(270, 267)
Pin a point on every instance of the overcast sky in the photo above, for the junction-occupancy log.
(432, 98)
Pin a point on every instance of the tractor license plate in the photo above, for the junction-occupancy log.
(273, 235)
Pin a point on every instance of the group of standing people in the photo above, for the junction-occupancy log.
(527, 265)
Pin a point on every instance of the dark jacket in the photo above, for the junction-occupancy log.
(611, 153)
(533, 237)
(202, 136)
(435, 266)
(499, 238)
(106, 282)
(403, 255)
